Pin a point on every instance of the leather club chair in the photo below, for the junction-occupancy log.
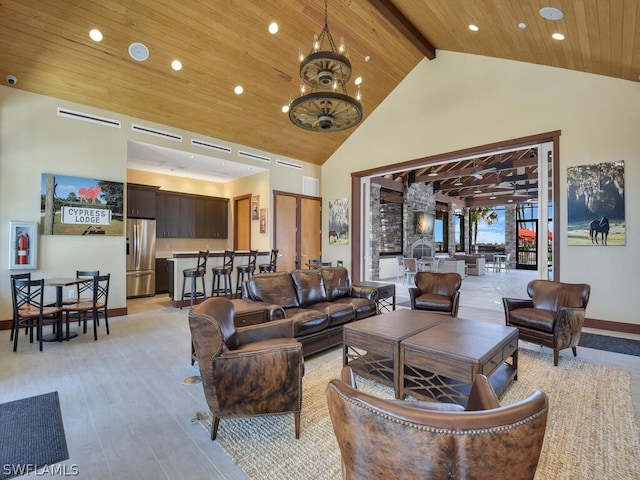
(553, 315)
(436, 292)
(255, 370)
(383, 439)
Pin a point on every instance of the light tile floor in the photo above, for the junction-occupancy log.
(127, 410)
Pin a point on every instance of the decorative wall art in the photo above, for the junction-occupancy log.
(595, 204)
(425, 223)
(339, 221)
(81, 206)
(255, 206)
(263, 220)
(23, 241)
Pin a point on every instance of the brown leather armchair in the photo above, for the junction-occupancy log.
(255, 370)
(553, 316)
(382, 439)
(436, 292)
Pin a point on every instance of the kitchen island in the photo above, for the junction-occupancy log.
(178, 261)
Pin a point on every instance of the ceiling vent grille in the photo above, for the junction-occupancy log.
(254, 156)
(289, 164)
(310, 186)
(212, 146)
(155, 132)
(88, 117)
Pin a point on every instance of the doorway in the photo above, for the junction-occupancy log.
(548, 160)
(297, 224)
(242, 223)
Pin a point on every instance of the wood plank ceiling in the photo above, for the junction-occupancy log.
(224, 43)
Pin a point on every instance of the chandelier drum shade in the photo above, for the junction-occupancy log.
(327, 107)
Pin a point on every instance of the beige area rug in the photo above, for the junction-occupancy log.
(591, 433)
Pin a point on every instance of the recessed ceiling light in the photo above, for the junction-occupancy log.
(510, 200)
(473, 28)
(522, 25)
(551, 13)
(176, 65)
(477, 191)
(358, 80)
(138, 51)
(367, 58)
(95, 35)
(558, 36)
(238, 90)
(492, 197)
(273, 28)
(285, 108)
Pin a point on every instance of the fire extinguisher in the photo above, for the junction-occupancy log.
(23, 248)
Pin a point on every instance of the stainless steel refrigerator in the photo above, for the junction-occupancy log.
(141, 257)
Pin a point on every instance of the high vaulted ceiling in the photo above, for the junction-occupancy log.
(224, 43)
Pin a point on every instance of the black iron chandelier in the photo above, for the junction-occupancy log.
(326, 107)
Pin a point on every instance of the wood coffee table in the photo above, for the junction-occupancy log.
(371, 347)
(441, 363)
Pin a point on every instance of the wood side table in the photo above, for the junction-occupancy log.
(386, 294)
(371, 346)
(442, 363)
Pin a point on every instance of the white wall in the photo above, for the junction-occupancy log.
(460, 101)
(34, 140)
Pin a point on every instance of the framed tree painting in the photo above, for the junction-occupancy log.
(339, 221)
(595, 204)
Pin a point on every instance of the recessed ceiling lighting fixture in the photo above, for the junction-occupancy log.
(473, 28)
(492, 197)
(176, 65)
(522, 25)
(285, 108)
(95, 35)
(551, 13)
(358, 80)
(238, 90)
(477, 190)
(558, 36)
(273, 28)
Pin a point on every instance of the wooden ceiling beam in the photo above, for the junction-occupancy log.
(389, 11)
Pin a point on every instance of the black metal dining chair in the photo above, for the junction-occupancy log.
(91, 308)
(29, 310)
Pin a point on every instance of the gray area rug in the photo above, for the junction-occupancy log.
(626, 346)
(591, 431)
(31, 435)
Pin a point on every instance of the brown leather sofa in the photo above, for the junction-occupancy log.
(249, 371)
(436, 292)
(553, 315)
(318, 301)
(384, 439)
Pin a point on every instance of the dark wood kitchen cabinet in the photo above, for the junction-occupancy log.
(162, 276)
(141, 201)
(180, 215)
(167, 215)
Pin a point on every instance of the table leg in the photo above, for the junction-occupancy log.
(58, 336)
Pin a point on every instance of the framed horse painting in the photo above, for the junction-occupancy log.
(595, 204)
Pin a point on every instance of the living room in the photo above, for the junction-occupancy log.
(464, 100)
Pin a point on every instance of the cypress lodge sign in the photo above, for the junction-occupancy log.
(81, 206)
(86, 216)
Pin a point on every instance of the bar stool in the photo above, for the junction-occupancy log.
(271, 266)
(199, 272)
(225, 271)
(248, 270)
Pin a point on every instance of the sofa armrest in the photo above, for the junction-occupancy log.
(274, 312)
(370, 293)
(264, 331)
(514, 303)
(414, 292)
